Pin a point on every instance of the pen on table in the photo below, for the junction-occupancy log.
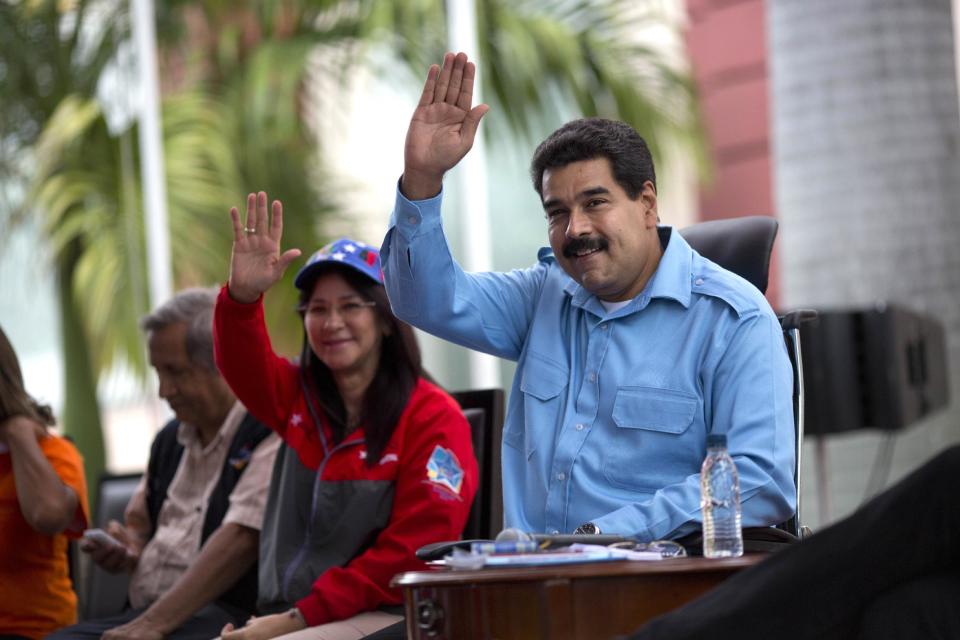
(493, 548)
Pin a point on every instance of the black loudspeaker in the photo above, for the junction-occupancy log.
(879, 368)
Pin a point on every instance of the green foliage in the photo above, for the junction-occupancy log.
(234, 76)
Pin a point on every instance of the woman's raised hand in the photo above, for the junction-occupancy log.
(256, 262)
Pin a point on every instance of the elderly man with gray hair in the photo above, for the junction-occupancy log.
(192, 528)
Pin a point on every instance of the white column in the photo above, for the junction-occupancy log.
(471, 192)
(159, 263)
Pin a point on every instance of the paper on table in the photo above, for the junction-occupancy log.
(618, 554)
(576, 553)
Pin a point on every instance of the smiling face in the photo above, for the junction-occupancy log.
(604, 240)
(343, 328)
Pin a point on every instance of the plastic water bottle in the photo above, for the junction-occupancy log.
(720, 501)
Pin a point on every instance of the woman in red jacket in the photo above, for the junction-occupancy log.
(378, 460)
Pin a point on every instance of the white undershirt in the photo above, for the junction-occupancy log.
(613, 306)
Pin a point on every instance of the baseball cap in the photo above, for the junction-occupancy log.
(350, 253)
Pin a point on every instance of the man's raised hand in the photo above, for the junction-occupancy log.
(256, 262)
(442, 128)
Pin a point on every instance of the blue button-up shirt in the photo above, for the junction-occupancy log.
(609, 411)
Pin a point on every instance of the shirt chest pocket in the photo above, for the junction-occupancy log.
(542, 384)
(652, 442)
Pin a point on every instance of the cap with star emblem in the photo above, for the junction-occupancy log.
(350, 253)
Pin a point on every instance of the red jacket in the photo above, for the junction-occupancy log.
(332, 547)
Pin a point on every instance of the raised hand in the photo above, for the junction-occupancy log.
(442, 128)
(256, 262)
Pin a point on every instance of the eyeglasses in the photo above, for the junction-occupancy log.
(347, 311)
(666, 548)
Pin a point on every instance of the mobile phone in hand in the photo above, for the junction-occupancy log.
(101, 537)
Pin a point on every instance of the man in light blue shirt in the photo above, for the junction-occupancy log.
(630, 346)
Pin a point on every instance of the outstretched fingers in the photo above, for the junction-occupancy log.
(429, 86)
(465, 97)
(262, 216)
(251, 218)
(237, 226)
(276, 221)
(472, 122)
(443, 79)
(276, 234)
(287, 258)
(456, 78)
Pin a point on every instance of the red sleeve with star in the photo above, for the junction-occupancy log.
(265, 383)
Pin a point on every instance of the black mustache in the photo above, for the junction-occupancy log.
(580, 245)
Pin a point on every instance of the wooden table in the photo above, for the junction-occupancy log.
(595, 600)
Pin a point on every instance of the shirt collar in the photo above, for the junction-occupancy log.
(671, 279)
(189, 436)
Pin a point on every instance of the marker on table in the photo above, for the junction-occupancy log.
(513, 546)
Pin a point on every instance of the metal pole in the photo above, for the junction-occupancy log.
(472, 185)
(159, 271)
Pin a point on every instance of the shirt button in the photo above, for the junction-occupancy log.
(412, 219)
(592, 377)
(579, 426)
(561, 476)
(603, 327)
(698, 281)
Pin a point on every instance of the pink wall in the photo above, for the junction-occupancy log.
(727, 43)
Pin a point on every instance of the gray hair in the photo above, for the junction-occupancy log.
(193, 307)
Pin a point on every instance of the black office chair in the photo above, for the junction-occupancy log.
(484, 409)
(743, 246)
(103, 593)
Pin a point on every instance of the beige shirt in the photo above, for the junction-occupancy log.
(176, 542)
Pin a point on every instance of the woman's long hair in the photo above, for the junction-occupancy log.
(397, 372)
(14, 399)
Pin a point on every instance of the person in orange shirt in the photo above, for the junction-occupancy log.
(43, 501)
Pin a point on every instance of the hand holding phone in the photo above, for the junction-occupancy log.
(110, 552)
(101, 537)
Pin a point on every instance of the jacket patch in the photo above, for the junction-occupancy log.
(444, 469)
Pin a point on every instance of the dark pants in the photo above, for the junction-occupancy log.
(205, 624)
(889, 571)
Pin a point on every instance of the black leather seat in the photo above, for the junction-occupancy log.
(743, 246)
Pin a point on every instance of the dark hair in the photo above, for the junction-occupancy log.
(14, 399)
(589, 138)
(194, 308)
(391, 387)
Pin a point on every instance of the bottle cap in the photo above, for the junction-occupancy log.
(716, 440)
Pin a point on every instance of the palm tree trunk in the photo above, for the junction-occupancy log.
(81, 412)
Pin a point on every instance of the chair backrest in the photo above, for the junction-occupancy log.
(484, 409)
(743, 246)
(104, 593)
